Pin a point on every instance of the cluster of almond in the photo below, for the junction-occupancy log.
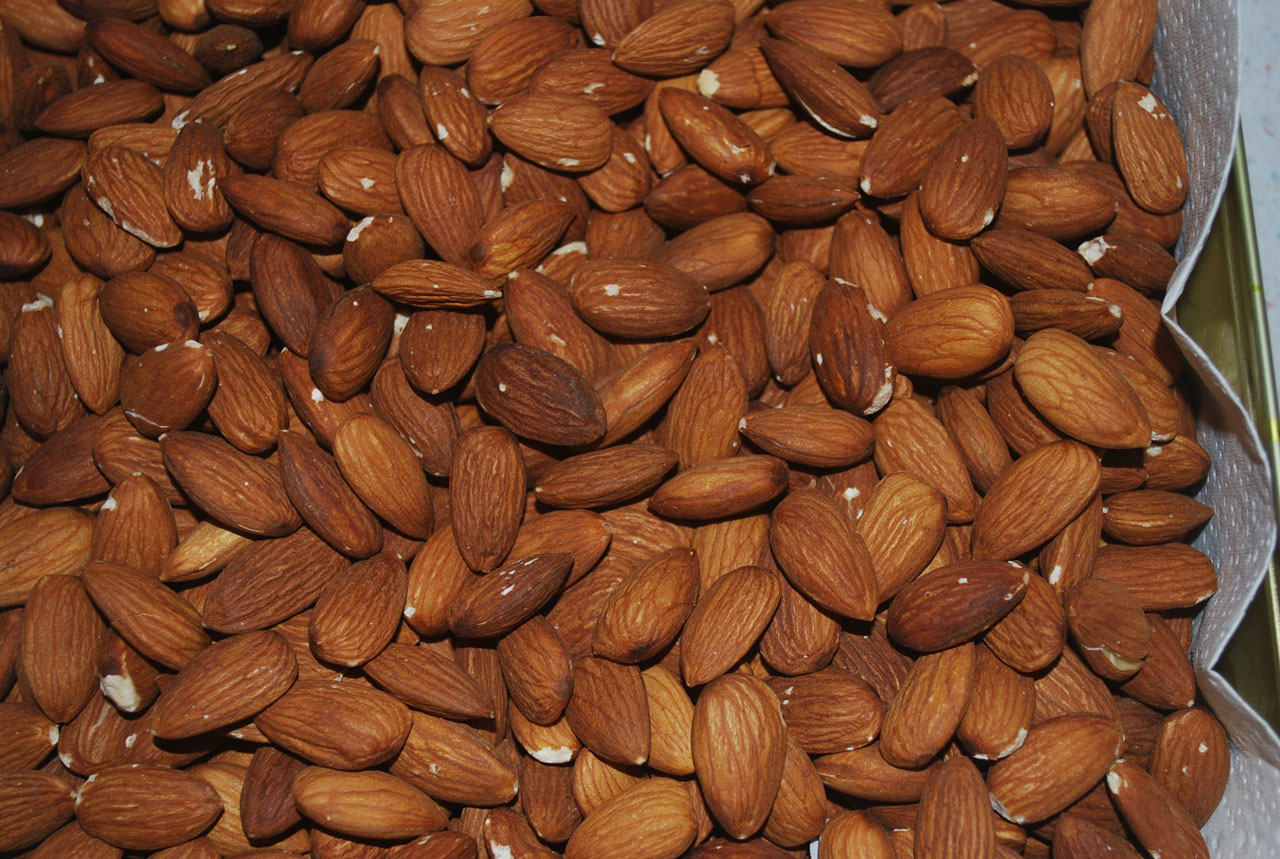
(617, 428)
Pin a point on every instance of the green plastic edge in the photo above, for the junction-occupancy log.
(1224, 309)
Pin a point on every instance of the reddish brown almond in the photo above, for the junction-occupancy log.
(142, 807)
(1148, 149)
(504, 62)
(1060, 204)
(954, 603)
(1016, 94)
(1061, 476)
(167, 387)
(670, 722)
(243, 492)
(56, 541)
(347, 344)
(829, 710)
(898, 155)
(933, 70)
(248, 406)
(363, 727)
(704, 416)
(1060, 760)
(928, 707)
(864, 39)
(537, 670)
(1191, 760)
(1160, 824)
(799, 810)
(287, 209)
(1109, 627)
(1077, 838)
(269, 581)
(955, 817)
(495, 604)
(359, 610)
(486, 495)
(1172, 575)
(432, 284)
(43, 395)
(903, 525)
(822, 556)
(289, 288)
(451, 762)
(998, 726)
(316, 488)
(196, 164)
(824, 438)
(226, 683)
(62, 469)
(159, 623)
(715, 138)
(87, 109)
(429, 682)
(519, 236)
(441, 199)
(557, 131)
(647, 610)
(837, 100)
(965, 181)
(38, 803)
(910, 438)
(1028, 260)
(146, 55)
(1104, 56)
(91, 354)
(846, 342)
(609, 710)
(61, 642)
(724, 487)
(366, 805)
(678, 39)
(727, 620)
(396, 490)
(650, 820)
(38, 170)
(739, 749)
(635, 298)
(635, 392)
(951, 333)
(537, 395)
(603, 478)
(1078, 393)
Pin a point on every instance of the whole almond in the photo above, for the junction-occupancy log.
(739, 748)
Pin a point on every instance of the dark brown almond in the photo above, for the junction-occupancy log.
(539, 396)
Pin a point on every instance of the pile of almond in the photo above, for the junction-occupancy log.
(599, 428)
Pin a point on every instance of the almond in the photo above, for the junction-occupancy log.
(451, 762)
(366, 805)
(144, 807)
(539, 396)
(657, 812)
(1060, 760)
